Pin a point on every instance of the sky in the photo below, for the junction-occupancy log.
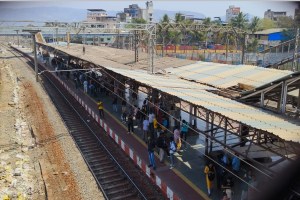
(208, 8)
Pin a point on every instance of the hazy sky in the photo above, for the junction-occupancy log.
(208, 8)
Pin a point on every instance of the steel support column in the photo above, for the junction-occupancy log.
(206, 129)
(295, 51)
(284, 97)
(280, 98)
(136, 46)
(195, 114)
(191, 114)
(262, 99)
(211, 132)
(298, 100)
(225, 130)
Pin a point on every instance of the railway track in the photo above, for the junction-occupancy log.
(115, 174)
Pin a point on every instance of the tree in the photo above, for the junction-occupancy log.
(138, 21)
(163, 32)
(285, 22)
(165, 19)
(266, 24)
(297, 17)
(252, 46)
(207, 21)
(253, 27)
(239, 21)
(179, 17)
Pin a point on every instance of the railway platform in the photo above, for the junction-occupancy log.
(185, 181)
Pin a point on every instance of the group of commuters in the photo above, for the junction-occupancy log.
(155, 127)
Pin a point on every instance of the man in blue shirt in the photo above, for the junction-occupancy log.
(184, 131)
(236, 163)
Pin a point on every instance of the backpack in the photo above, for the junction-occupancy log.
(211, 175)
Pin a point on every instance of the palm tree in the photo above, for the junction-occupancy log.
(254, 24)
(239, 21)
(179, 17)
(163, 32)
(207, 21)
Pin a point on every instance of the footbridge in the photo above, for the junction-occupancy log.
(283, 53)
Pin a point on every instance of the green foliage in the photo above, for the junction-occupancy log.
(239, 21)
(179, 17)
(285, 22)
(266, 24)
(207, 21)
(138, 21)
(288, 34)
(252, 46)
(254, 25)
(297, 19)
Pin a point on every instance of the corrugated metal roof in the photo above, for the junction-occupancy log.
(122, 58)
(197, 94)
(269, 31)
(224, 76)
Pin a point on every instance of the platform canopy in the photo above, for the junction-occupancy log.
(225, 76)
(197, 95)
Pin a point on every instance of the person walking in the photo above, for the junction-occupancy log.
(151, 147)
(172, 150)
(100, 108)
(130, 123)
(209, 172)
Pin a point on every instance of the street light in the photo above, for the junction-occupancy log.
(33, 33)
(18, 36)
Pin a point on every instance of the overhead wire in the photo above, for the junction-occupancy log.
(161, 124)
(168, 115)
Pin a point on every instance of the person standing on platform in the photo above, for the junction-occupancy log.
(151, 118)
(247, 178)
(172, 150)
(209, 172)
(151, 146)
(161, 144)
(177, 138)
(236, 164)
(184, 132)
(145, 128)
(130, 123)
(101, 109)
(155, 128)
(85, 86)
(123, 105)
(115, 104)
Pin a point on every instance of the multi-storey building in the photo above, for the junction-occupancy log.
(232, 12)
(94, 15)
(135, 12)
(274, 15)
